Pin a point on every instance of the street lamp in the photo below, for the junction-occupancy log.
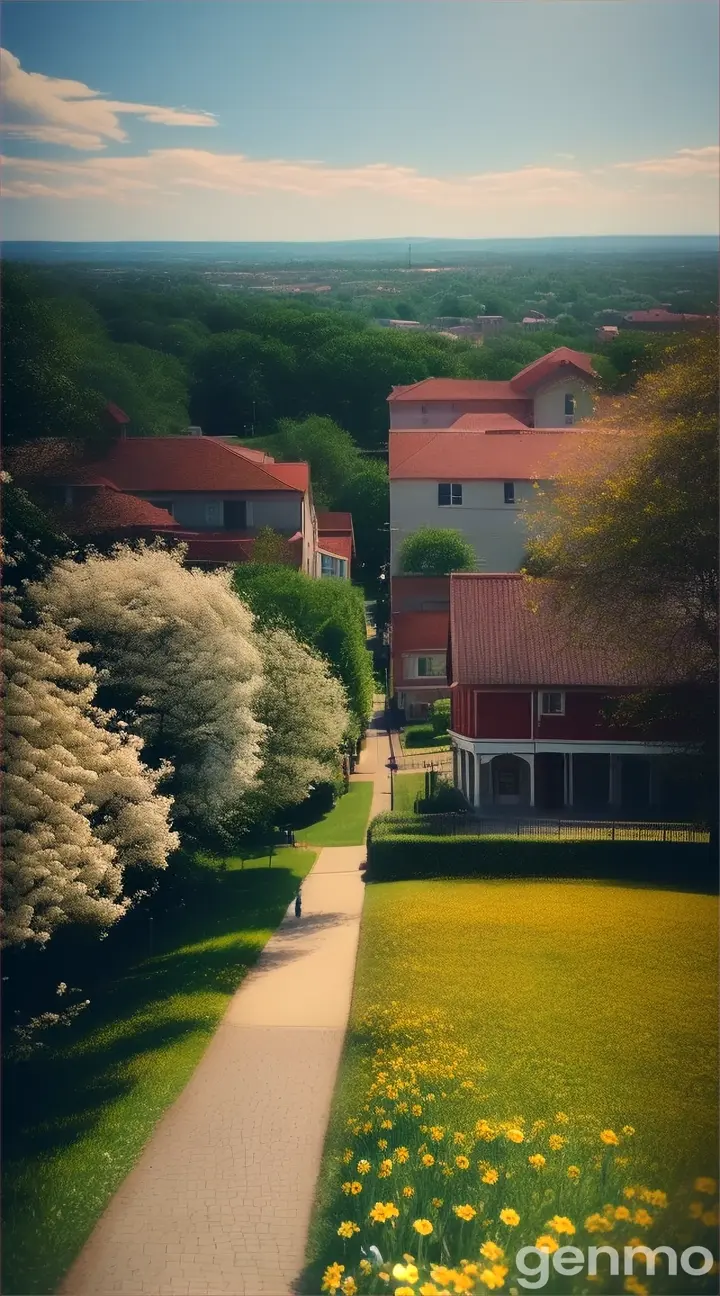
(392, 766)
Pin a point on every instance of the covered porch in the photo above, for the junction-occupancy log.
(571, 782)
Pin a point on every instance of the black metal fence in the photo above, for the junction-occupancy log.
(454, 825)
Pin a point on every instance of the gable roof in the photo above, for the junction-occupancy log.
(420, 631)
(504, 632)
(489, 423)
(447, 455)
(340, 522)
(517, 388)
(555, 363)
(194, 464)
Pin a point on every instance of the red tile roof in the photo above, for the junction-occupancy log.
(469, 389)
(447, 455)
(489, 423)
(504, 634)
(420, 631)
(340, 546)
(109, 510)
(226, 546)
(334, 522)
(455, 389)
(194, 464)
(556, 363)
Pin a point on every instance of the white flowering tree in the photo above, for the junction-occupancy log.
(178, 660)
(304, 709)
(78, 805)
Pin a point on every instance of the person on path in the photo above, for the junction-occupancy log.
(298, 904)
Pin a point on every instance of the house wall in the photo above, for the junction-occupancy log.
(550, 403)
(508, 714)
(496, 531)
(439, 414)
(282, 510)
(420, 593)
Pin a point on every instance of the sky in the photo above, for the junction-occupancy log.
(344, 119)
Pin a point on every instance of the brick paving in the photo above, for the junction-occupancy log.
(220, 1200)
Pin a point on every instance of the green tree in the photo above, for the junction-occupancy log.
(329, 615)
(436, 551)
(239, 379)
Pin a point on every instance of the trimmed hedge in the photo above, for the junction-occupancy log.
(413, 855)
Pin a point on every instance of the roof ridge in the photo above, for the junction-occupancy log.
(432, 436)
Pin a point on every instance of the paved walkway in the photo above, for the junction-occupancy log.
(220, 1199)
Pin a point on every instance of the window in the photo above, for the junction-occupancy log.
(569, 409)
(433, 666)
(450, 493)
(552, 704)
(214, 513)
(509, 488)
(234, 515)
(332, 566)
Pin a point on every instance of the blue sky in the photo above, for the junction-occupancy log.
(359, 118)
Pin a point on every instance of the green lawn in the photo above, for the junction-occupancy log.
(407, 787)
(594, 1000)
(82, 1111)
(420, 738)
(346, 823)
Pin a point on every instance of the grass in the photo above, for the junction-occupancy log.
(82, 1110)
(346, 823)
(593, 999)
(407, 788)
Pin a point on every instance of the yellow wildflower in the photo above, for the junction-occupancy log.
(598, 1224)
(705, 1185)
(654, 1197)
(428, 1289)
(416, 1110)
(622, 1213)
(490, 1176)
(385, 1276)
(347, 1228)
(347, 1155)
(463, 1282)
(561, 1224)
(428, 1159)
(465, 1212)
(561, 1118)
(367, 1127)
(491, 1251)
(629, 1193)
(635, 1287)
(628, 1130)
(408, 1191)
(643, 1218)
(365, 1267)
(509, 1217)
(349, 1287)
(710, 1218)
(404, 1291)
(546, 1243)
(462, 1163)
(441, 1274)
(332, 1277)
(401, 1107)
(493, 1278)
(406, 1273)
(437, 1202)
(609, 1138)
(573, 1172)
(437, 1133)
(401, 1155)
(514, 1135)
(423, 1227)
(458, 1137)
(363, 1167)
(537, 1161)
(556, 1142)
(485, 1131)
(382, 1144)
(385, 1169)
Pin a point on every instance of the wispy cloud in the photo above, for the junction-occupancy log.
(51, 110)
(684, 162)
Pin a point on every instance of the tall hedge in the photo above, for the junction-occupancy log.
(414, 855)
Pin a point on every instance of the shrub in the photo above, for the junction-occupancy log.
(395, 855)
(446, 799)
(419, 735)
(436, 551)
(440, 712)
